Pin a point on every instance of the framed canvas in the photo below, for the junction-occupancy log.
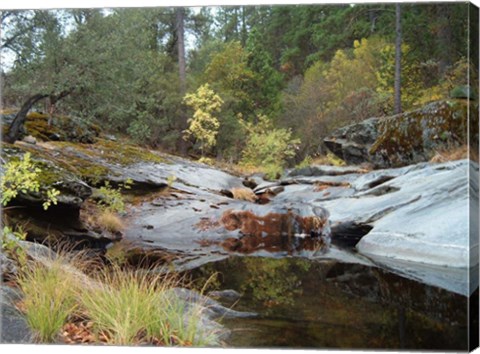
(235, 175)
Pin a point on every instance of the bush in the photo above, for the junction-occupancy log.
(111, 199)
(21, 176)
(268, 148)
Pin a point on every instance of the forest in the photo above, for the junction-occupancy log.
(248, 85)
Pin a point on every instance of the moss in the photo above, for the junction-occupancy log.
(414, 136)
(119, 152)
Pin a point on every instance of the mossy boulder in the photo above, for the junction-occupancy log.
(73, 191)
(406, 138)
(57, 128)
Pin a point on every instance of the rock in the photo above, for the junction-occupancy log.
(215, 309)
(462, 92)
(8, 267)
(74, 129)
(13, 326)
(419, 216)
(73, 191)
(404, 139)
(30, 140)
(322, 170)
(209, 310)
(229, 295)
(289, 220)
(352, 143)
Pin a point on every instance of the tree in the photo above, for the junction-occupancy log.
(46, 62)
(203, 126)
(398, 60)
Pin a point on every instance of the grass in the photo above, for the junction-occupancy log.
(121, 306)
(451, 154)
(110, 221)
(130, 307)
(49, 299)
(244, 194)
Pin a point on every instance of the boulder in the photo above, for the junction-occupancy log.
(352, 143)
(406, 138)
(13, 326)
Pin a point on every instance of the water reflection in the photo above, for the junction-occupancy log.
(329, 304)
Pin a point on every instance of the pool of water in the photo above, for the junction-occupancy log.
(328, 304)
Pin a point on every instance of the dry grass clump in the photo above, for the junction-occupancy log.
(99, 219)
(452, 154)
(244, 194)
(110, 221)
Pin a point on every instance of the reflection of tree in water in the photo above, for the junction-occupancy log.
(274, 281)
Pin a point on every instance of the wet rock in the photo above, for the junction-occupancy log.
(73, 191)
(423, 219)
(292, 220)
(229, 294)
(321, 170)
(215, 309)
(209, 311)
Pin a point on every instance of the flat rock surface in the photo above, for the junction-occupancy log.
(416, 215)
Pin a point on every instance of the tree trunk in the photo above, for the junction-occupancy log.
(18, 122)
(180, 19)
(398, 59)
(181, 49)
(444, 37)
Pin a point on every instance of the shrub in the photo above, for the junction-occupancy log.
(203, 126)
(21, 176)
(111, 198)
(267, 147)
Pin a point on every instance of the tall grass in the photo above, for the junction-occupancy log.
(126, 307)
(49, 299)
(129, 307)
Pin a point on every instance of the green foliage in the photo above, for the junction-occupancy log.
(306, 162)
(22, 176)
(203, 126)
(11, 247)
(139, 130)
(272, 281)
(267, 147)
(111, 199)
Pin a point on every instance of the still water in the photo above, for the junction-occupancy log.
(327, 304)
